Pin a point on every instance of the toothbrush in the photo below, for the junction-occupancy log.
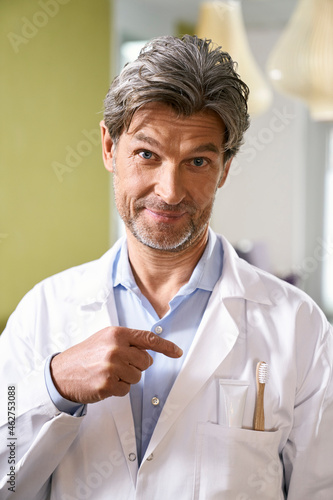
(262, 377)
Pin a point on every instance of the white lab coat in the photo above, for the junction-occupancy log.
(251, 316)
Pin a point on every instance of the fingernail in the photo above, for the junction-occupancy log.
(178, 351)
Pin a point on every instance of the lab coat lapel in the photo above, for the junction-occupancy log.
(200, 364)
(122, 414)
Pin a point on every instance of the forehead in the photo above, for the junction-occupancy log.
(162, 120)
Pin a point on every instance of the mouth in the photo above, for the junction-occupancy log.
(165, 215)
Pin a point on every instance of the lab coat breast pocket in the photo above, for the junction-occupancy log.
(237, 464)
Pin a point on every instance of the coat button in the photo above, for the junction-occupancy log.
(150, 458)
(132, 457)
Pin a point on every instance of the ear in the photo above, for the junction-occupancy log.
(225, 172)
(108, 147)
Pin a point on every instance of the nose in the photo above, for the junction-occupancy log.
(170, 185)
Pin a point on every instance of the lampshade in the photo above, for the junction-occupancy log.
(301, 64)
(222, 21)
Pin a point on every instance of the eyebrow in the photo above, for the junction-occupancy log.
(147, 139)
(209, 146)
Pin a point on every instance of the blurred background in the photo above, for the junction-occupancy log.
(58, 58)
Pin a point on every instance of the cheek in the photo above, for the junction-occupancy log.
(128, 188)
(204, 192)
(140, 183)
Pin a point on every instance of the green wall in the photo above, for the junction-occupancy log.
(54, 190)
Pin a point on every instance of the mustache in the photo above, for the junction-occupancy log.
(161, 206)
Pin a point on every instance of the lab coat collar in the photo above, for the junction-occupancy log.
(240, 279)
(95, 286)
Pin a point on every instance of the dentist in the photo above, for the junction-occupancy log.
(115, 367)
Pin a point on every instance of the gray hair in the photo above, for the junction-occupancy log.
(189, 74)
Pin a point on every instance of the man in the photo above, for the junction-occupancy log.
(128, 372)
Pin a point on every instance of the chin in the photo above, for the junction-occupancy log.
(169, 243)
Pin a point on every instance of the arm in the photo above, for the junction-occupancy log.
(308, 453)
(39, 425)
(30, 424)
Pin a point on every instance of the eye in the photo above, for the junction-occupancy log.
(199, 162)
(146, 155)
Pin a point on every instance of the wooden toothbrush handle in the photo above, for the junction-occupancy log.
(259, 415)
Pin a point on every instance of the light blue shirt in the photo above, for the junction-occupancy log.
(179, 325)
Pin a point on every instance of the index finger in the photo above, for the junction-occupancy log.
(144, 339)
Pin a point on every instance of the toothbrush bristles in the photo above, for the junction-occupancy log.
(263, 372)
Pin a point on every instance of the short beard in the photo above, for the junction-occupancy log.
(164, 242)
(165, 238)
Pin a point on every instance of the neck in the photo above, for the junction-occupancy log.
(160, 274)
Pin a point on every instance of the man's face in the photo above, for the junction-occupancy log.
(166, 173)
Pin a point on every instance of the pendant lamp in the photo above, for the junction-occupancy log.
(222, 21)
(301, 64)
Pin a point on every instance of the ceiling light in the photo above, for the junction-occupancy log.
(301, 64)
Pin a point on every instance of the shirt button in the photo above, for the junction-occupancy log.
(132, 457)
(155, 401)
(158, 329)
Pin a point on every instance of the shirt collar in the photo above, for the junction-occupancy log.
(122, 271)
(204, 276)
